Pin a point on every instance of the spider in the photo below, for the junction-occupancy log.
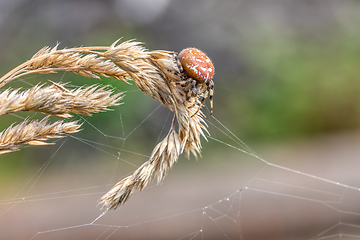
(199, 71)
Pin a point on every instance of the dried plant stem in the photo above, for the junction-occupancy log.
(34, 133)
(160, 84)
(164, 155)
(86, 61)
(154, 72)
(58, 101)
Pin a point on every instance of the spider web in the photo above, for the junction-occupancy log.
(231, 192)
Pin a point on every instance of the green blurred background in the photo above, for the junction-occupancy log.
(285, 69)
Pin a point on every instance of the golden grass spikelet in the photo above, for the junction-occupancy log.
(58, 101)
(162, 158)
(154, 72)
(85, 61)
(78, 60)
(156, 77)
(34, 133)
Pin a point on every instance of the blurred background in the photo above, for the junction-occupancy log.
(286, 83)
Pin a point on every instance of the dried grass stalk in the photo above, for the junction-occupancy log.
(162, 158)
(156, 77)
(86, 61)
(58, 101)
(154, 73)
(34, 133)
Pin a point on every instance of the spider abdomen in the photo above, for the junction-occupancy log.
(196, 64)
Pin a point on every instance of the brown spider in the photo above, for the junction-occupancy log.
(199, 71)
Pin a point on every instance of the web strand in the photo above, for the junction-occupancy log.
(226, 201)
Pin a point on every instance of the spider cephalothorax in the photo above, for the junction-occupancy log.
(199, 71)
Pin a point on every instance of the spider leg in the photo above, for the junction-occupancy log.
(190, 104)
(211, 90)
(202, 102)
(187, 84)
(181, 69)
(193, 103)
(185, 81)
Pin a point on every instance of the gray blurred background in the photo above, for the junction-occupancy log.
(286, 83)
